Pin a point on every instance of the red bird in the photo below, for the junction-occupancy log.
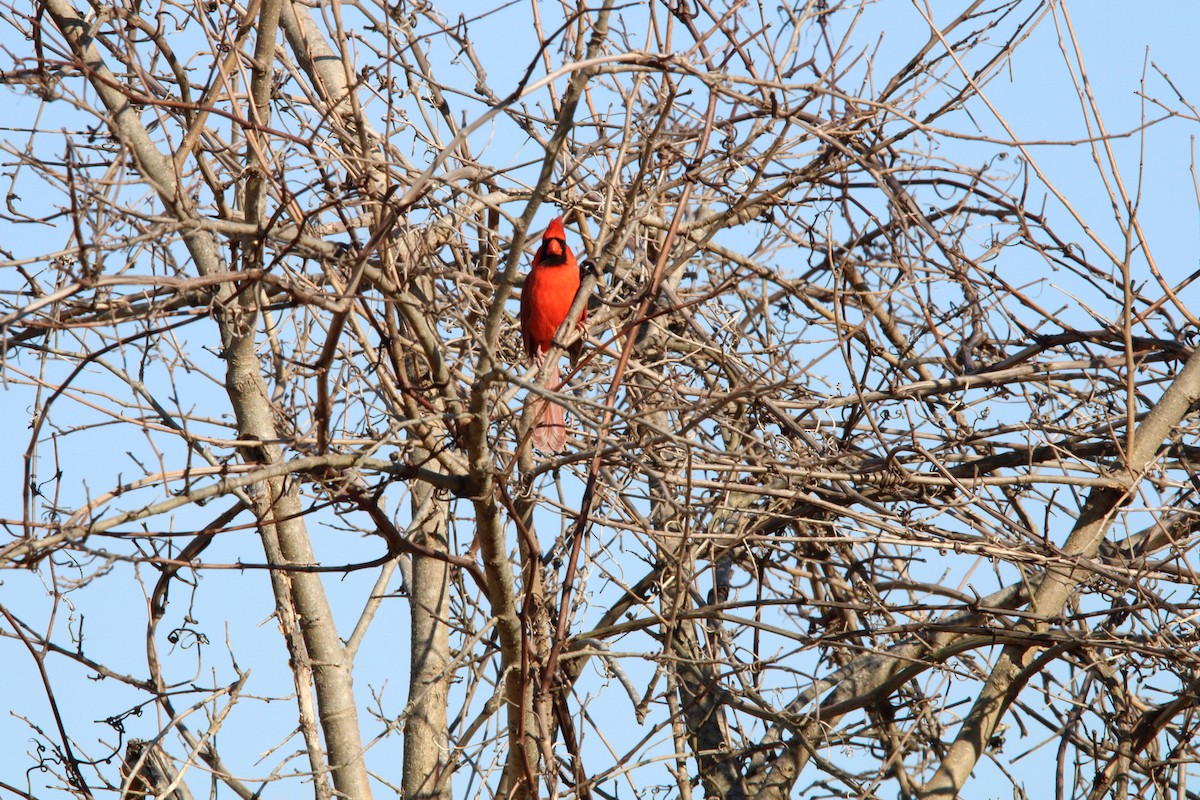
(550, 288)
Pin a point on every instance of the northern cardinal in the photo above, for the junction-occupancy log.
(550, 288)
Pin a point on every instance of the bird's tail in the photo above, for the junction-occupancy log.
(550, 435)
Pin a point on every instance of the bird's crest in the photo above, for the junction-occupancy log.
(555, 230)
(553, 251)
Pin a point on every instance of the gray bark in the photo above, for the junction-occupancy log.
(426, 741)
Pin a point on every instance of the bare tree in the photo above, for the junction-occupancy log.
(880, 471)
